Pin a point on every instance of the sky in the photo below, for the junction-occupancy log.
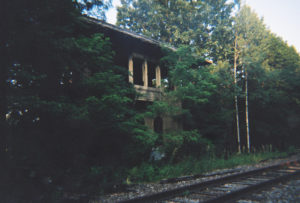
(111, 15)
(282, 17)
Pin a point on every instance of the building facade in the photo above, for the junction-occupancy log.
(141, 56)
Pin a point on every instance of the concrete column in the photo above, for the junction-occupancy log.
(130, 68)
(157, 76)
(145, 73)
(149, 122)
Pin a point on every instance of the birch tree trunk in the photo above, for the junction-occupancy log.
(235, 96)
(247, 112)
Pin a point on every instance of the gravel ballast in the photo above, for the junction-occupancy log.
(137, 190)
(288, 192)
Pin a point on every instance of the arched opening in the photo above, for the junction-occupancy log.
(158, 125)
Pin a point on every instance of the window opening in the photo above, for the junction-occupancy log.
(137, 71)
(151, 74)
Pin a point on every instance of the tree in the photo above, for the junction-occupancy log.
(67, 104)
(278, 94)
(188, 75)
(251, 35)
(235, 96)
(192, 83)
(206, 25)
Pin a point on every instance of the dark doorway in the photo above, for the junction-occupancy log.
(158, 125)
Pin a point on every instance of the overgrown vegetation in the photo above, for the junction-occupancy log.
(192, 165)
(67, 117)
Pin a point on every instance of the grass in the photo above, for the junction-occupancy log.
(148, 172)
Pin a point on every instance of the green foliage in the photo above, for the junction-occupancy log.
(206, 25)
(268, 60)
(94, 8)
(71, 121)
(164, 107)
(70, 109)
(185, 143)
(202, 90)
(147, 172)
(143, 140)
(207, 94)
(291, 150)
(192, 81)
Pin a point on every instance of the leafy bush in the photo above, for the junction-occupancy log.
(149, 172)
(145, 172)
(179, 144)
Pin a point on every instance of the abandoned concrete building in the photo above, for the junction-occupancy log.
(141, 55)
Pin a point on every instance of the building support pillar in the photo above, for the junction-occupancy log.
(145, 73)
(157, 77)
(130, 69)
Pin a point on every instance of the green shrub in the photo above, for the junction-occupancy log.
(181, 144)
(291, 150)
(149, 172)
(145, 172)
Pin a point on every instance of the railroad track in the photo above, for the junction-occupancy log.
(227, 188)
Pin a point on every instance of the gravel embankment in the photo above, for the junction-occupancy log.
(137, 190)
(288, 192)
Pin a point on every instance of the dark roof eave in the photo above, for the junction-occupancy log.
(126, 32)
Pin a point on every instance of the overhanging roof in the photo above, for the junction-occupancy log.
(130, 33)
(125, 32)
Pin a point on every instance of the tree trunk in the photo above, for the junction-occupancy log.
(235, 96)
(247, 112)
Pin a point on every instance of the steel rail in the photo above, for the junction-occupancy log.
(252, 188)
(198, 186)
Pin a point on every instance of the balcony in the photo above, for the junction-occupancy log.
(148, 93)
